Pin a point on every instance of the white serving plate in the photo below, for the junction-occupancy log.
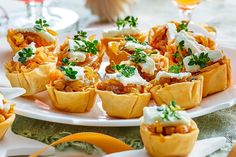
(97, 117)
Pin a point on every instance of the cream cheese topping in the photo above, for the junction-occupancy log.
(134, 79)
(154, 114)
(5, 107)
(43, 34)
(171, 31)
(77, 56)
(164, 74)
(189, 42)
(214, 56)
(149, 66)
(132, 46)
(114, 32)
(32, 46)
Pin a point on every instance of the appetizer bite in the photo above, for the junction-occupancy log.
(161, 36)
(7, 115)
(40, 34)
(71, 88)
(126, 29)
(121, 50)
(181, 87)
(82, 50)
(168, 131)
(124, 93)
(30, 69)
(147, 64)
(193, 57)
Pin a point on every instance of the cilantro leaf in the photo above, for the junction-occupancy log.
(80, 35)
(129, 20)
(87, 46)
(125, 70)
(41, 25)
(69, 72)
(170, 111)
(200, 60)
(138, 57)
(183, 26)
(24, 54)
(67, 62)
(130, 38)
(177, 68)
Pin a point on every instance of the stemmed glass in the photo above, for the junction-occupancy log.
(3, 21)
(186, 8)
(60, 19)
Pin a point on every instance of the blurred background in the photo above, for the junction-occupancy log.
(71, 15)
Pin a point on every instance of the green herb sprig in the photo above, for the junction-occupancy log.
(200, 60)
(130, 38)
(80, 35)
(170, 111)
(67, 62)
(69, 72)
(87, 46)
(125, 70)
(138, 57)
(183, 26)
(24, 54)
(41, 25)
(177, 68)
(129, 20)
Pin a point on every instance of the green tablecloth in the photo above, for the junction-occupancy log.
(220, 123)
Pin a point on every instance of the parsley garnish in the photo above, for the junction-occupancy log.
(138, 57)
(129, 20)
(200, 60)
(24, 54)
(183, 26)
(41, 25)
(125, 70)
(130, 38)
(67, 62)
(177, 68)
(88, 46)
(181, 45)
(176, 55)
(170, 111)
(80, 35)
(69, 72)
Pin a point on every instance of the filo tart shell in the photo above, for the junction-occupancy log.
(33, 81)
(74, 102)
(186, 94)
(42, 42)
(166, 146)
(6, 124)
(124, 105)
(217, 77)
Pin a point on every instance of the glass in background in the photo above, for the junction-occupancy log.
(3, 21)
(186, 8)
(60, 19)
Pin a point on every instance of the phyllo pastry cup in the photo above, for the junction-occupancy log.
(34, 74)
(217, 77)
(73, 52)
(5, 125)
(124, 105)
(7, 115)
(124, 95)
(165, 146)
(185, 91)
(167, 131)
(22, 37)
(75, 96)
